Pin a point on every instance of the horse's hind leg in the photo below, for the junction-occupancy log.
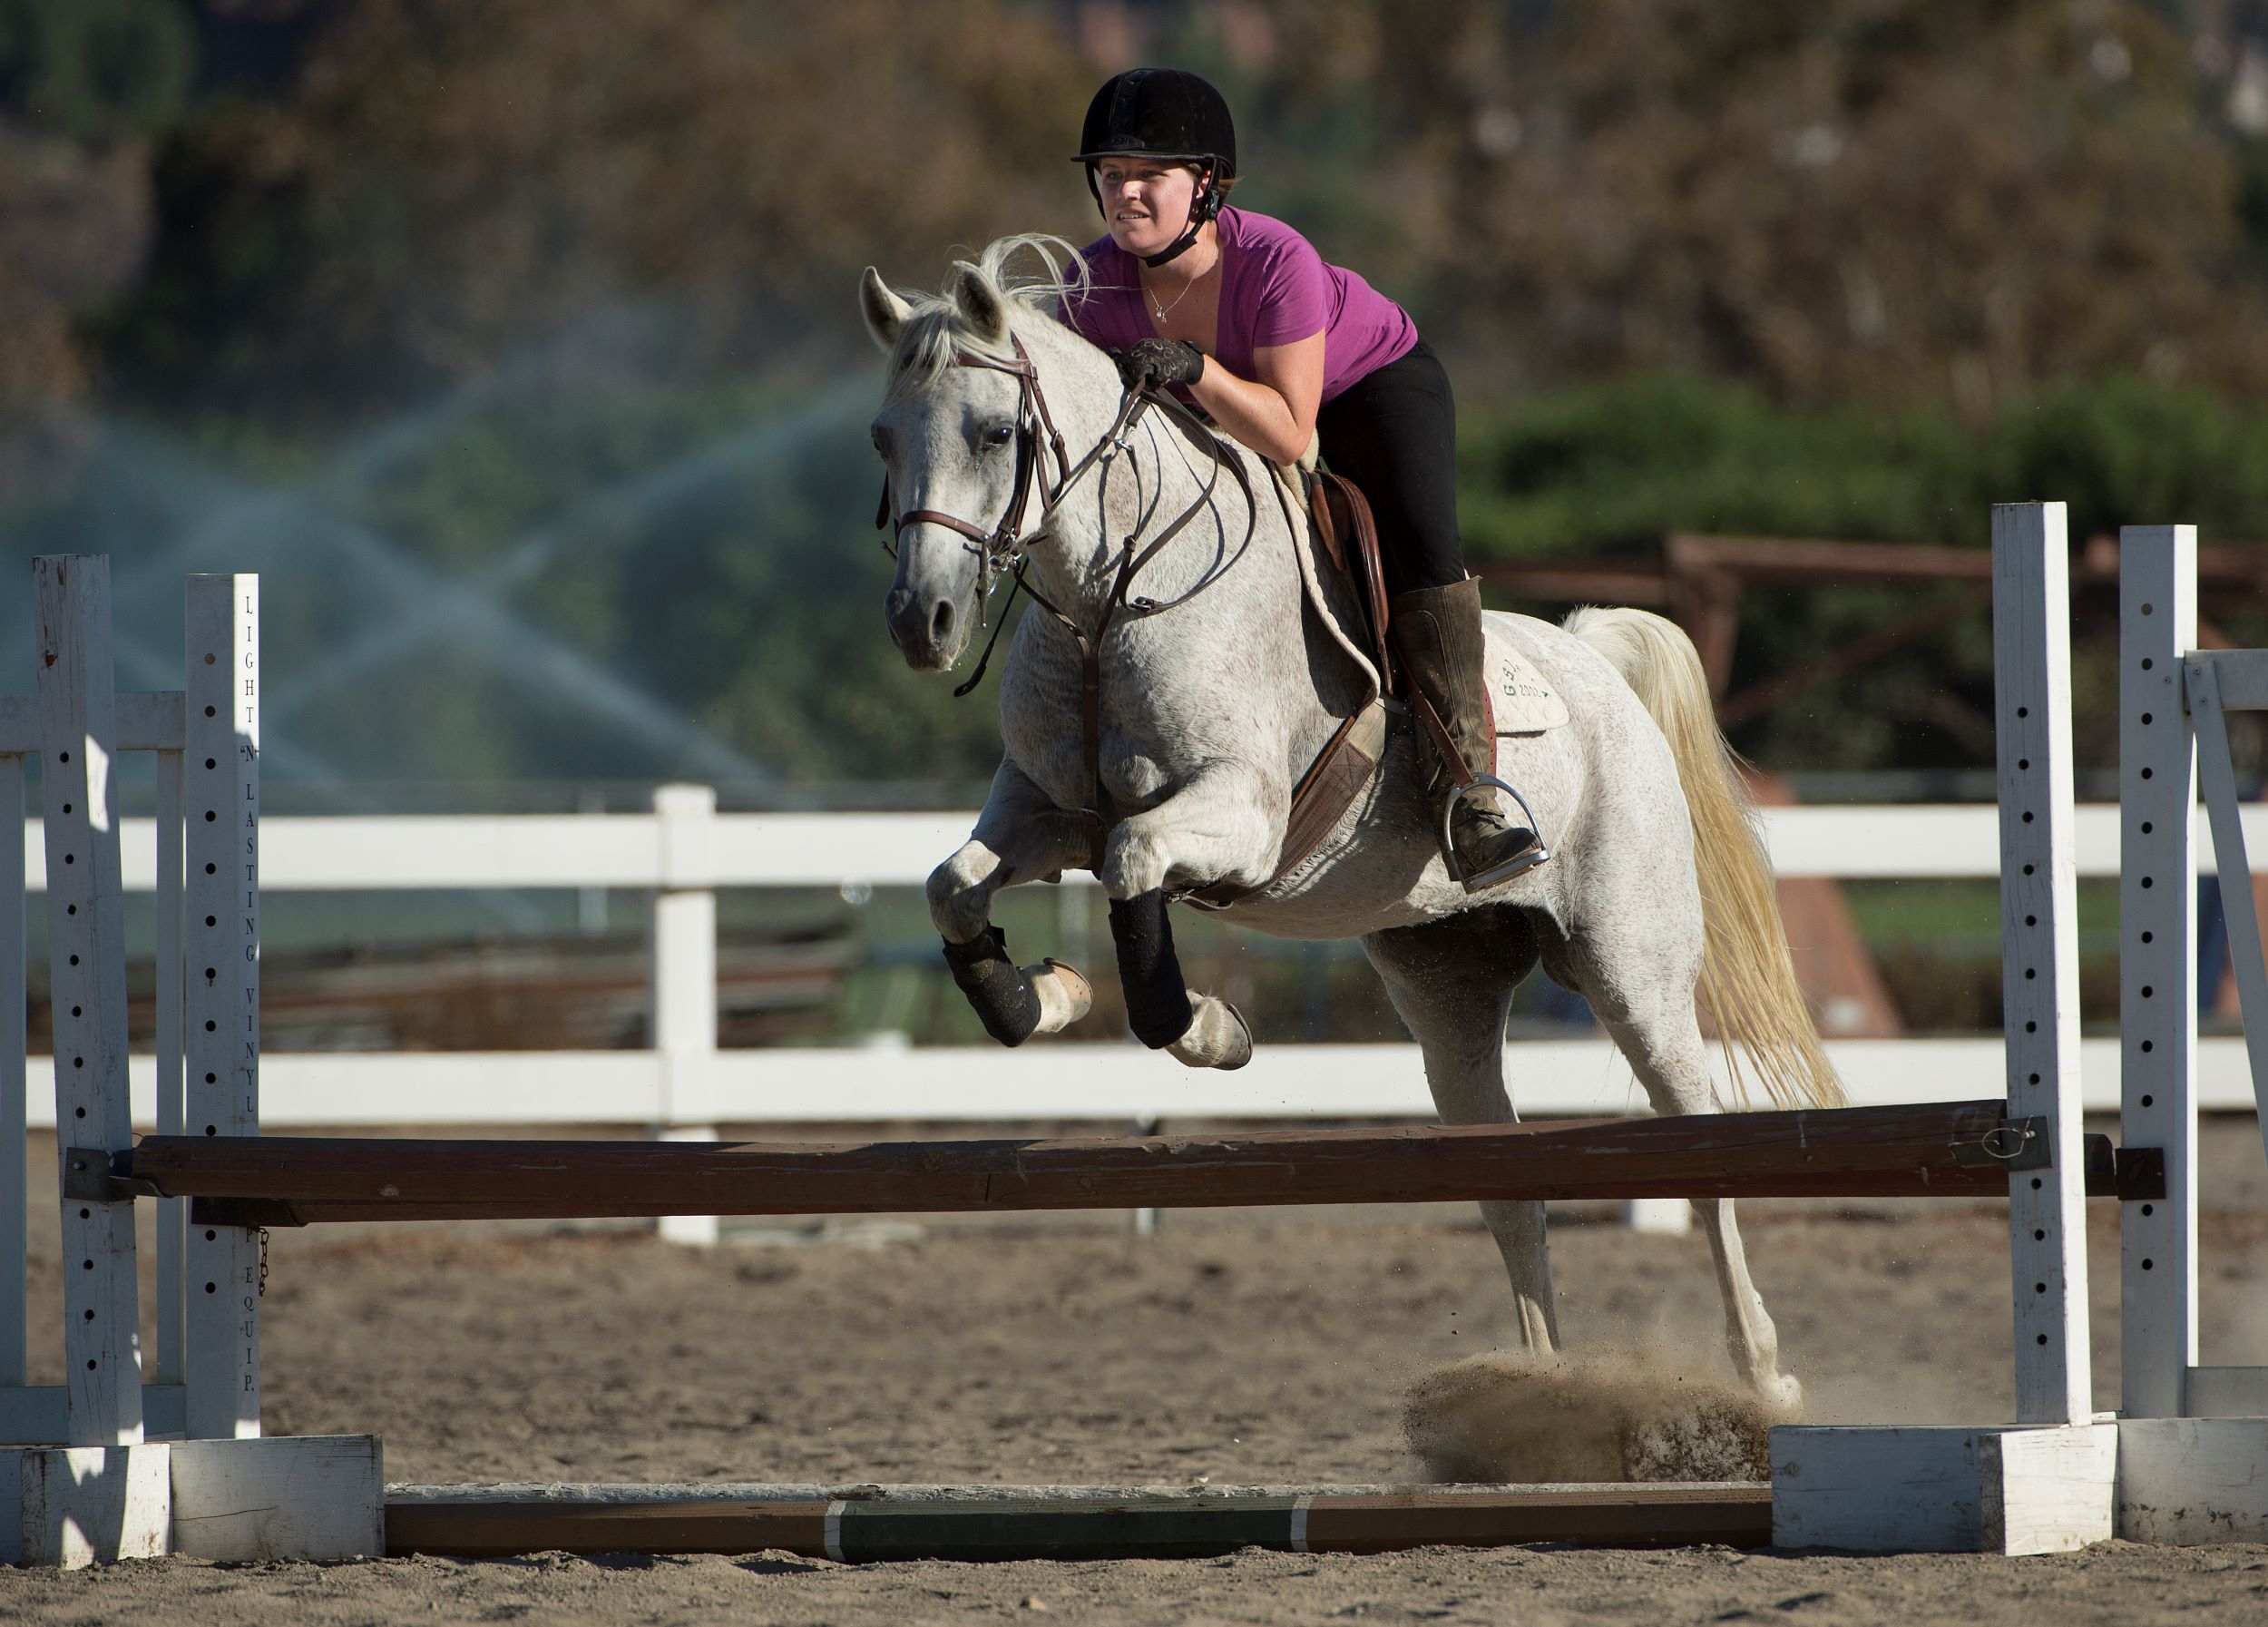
(1651, 1019)
(1451, 982)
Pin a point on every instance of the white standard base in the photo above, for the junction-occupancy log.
(2187, 1481)
(292, 1497)
(1944, 1489)
(309, 1496)
(74, 1506)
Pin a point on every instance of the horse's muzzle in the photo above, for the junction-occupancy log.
(929, 631)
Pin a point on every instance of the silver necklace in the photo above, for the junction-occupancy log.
(1177, 299)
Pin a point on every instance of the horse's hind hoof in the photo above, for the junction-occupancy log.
(1782, 1394)
(1217, 1035)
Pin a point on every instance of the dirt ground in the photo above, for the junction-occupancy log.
(1254, 1347)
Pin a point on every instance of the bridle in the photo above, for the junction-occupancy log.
(1001, 549)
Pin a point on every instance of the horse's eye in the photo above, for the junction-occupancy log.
(880, 440)
(1000, 434)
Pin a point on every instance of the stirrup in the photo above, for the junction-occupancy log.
(1519, 864)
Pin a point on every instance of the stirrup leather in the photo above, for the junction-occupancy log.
(1518, 865)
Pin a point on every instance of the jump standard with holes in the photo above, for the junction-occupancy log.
(119, 1463)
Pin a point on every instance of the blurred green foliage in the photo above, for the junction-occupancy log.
(95, 70)
(325, 209)
(1616, 466)
(1611, 469)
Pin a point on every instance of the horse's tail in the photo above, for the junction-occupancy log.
(1747, 983)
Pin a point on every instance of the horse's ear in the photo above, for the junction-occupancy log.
(979, 299)
(885, 313)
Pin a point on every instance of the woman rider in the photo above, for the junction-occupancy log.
(1239, 312)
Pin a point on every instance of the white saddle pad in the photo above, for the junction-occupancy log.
(1525, 702)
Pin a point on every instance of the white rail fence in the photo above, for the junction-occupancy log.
(687, 845)
(684, 851)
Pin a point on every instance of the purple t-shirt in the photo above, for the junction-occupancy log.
(1274, 289)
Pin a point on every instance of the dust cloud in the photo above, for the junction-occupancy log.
(1598, 1415)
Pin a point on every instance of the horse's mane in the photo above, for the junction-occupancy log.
(936, 329)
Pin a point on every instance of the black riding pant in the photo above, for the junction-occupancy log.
(1393, 433)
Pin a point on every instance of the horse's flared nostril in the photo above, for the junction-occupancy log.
(940, 624)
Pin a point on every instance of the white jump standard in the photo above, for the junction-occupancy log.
(1953, 1487)
(98, 1483)
(2193, 1439)
(2164, 1468)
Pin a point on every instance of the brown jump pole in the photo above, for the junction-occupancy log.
(1957, 1149)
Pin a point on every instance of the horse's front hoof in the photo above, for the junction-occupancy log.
(1217, 1035)
(1065, 997)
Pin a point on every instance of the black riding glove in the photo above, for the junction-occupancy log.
(1160, 362)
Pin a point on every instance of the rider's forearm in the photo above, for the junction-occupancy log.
(1255, 415)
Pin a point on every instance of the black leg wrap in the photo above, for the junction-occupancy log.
(1157, 1000)
(1002, 1000)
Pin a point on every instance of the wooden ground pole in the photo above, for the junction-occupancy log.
(1008, 1522)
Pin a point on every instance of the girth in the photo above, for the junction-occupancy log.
(1341, 773)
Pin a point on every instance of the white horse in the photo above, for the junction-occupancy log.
(1217, 687)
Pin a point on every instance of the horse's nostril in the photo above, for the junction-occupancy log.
(940, 624)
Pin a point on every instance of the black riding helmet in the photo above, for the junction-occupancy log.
(1162, 113)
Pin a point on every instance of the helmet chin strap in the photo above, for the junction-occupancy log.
(1202, 208)
(1176, 249)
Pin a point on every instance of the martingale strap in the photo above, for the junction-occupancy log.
(1130, 563)
(1000, 548)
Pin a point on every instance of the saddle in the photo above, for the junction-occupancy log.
(1520, 699)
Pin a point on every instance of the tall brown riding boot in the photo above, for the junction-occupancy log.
(1437, 631)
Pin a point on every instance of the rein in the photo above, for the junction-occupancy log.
(1001, 548)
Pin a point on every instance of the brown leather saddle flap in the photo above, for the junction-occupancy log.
(1349, 535)
(1341, 773)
